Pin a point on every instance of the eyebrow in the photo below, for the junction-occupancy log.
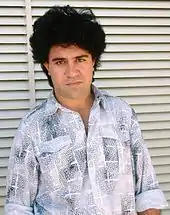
(86, 56)
(62, 58)
(58, 58)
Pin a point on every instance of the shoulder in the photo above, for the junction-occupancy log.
(115, 103)
(37, 113)
(118, 109)
(33, 117)
(120, 112)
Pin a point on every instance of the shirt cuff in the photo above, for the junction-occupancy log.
(16, 209)
(150, 199)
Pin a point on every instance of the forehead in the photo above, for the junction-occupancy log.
(67, 51)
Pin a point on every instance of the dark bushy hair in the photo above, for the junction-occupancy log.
(63, 25)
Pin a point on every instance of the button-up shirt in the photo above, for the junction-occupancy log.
(55, 168)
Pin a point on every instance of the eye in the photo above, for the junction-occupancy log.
(59, 62)
(81, 60)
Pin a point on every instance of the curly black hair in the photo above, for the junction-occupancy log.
(64, 25)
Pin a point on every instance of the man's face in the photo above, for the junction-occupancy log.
(71, 71)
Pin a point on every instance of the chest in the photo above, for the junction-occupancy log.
(67, 156)
(102, 158)
(66, 144)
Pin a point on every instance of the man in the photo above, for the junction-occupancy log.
(81, 151)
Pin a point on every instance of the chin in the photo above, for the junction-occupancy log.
(75, 95)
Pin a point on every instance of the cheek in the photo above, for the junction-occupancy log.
(56, 76)
(87, 70)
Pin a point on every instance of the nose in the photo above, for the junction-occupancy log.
(71, 70)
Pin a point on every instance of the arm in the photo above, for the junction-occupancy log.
(22, 175)
(150, 212)
(149, 197)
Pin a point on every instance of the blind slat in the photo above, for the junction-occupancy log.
(135, 66)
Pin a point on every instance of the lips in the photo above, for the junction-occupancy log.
(74, 83)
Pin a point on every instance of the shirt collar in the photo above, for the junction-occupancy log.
(53, 105)
(100, 96)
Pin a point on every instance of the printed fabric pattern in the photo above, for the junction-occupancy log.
(55, 168)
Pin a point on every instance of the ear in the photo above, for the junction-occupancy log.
(46, 65)
(94, 61)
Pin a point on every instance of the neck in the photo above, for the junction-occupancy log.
(77, 105)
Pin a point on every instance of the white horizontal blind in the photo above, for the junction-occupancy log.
(135, 66)
(14, 79)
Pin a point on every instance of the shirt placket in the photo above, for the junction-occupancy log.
(95, 155)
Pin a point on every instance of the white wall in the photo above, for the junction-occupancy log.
(136, 66)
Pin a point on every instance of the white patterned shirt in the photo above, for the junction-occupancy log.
(55, 168)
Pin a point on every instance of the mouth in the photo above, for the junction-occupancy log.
(73, 83)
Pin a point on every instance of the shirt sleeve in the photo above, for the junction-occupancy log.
(147, 191)
(22, 177)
